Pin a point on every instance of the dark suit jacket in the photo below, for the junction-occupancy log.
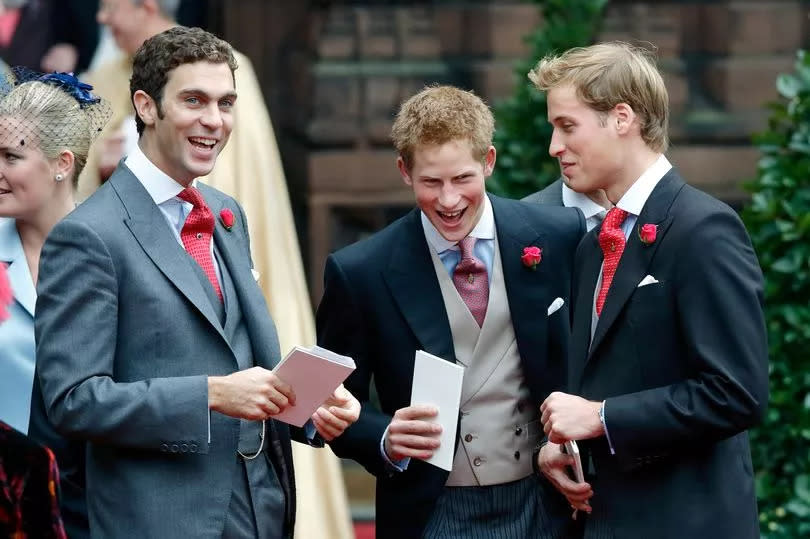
(126, 339)
(683, 366)
(382, 302)
(551, 194)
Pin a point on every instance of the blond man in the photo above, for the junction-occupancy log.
(668, 365)
(451, 278)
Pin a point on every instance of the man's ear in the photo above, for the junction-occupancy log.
(403, 171)
(489, 161)
(624, 116)
(145, 107)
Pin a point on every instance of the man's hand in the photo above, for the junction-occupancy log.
(253, 394)
(336, 414)
(553, 463)
(410, 435)
(568, 417)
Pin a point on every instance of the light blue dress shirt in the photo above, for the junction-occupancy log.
(17, 350)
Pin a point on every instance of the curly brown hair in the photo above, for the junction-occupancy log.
(161, 53)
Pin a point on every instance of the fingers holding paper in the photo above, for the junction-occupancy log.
(335, 415)
(555, 465)
(253, 394)
(411, 434)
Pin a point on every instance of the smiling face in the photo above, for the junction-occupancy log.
(584, 141)
(448, 183)
(26, 175)
(184, 136)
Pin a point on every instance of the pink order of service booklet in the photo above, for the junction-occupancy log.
(314, 373)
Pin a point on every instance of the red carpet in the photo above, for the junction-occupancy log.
(364, 530)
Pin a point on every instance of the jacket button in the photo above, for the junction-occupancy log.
(518, 431)
(468, 438)
(164, 447)
(193, 448)
(175, 448)
(517, 455)
(477, 461)
(184, 448)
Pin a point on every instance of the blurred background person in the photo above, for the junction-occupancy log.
(249, 169)
(26, 31)
(47, 124)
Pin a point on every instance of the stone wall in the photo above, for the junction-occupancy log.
(335, 73)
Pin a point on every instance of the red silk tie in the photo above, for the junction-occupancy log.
(611, 240)
(196, 235)
(470, 278)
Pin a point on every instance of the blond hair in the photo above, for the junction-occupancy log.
(440, 114)
(607, 74)
(51, 120)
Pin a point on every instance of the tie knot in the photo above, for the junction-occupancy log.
(466, 247)
(193, 196)
(614, 218)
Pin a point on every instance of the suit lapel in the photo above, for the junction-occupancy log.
(637, 256)
(526, 290)
(19, 276)
(589, 263)
(147, 224)
(412, 280)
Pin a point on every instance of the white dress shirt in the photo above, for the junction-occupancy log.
(594, 213)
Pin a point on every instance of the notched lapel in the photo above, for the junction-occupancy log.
(637, 257)
(415, 288)
(151, 231)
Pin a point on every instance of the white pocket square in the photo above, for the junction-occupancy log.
(649, 279)
(255, 274)
(555, 306)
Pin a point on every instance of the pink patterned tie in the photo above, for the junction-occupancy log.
(611, 239)
(470, 278)
(196, 235)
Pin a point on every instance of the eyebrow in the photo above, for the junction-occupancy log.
(199, 91)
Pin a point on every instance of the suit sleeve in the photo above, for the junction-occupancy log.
(76, 333)
(719, 299)
(341, 328)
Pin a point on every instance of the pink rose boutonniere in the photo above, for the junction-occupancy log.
(226, 216)
(647, 233)
(531, 257)
(6, 296)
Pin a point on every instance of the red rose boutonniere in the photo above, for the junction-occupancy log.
(647, 233)
(531, 257)
(226, 216)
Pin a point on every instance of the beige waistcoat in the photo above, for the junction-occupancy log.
(497, 415)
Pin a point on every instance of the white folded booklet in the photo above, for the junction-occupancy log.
(314, 373)
(438, 382)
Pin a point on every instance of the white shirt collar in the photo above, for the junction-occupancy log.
(572, 199)
(635, 197)
(160, 186)
(484, 229)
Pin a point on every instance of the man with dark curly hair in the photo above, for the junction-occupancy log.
(158, 351)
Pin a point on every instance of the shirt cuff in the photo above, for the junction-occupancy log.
(395, 466)
(604, 426)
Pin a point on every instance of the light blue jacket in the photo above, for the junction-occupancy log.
(17, 353)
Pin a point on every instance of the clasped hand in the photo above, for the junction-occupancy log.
(256, 394)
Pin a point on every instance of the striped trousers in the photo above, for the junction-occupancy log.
(525, 509)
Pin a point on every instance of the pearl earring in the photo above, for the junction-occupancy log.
(59, 177)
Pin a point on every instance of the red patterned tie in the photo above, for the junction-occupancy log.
(470, 278)
(611, 239)
(196, 235)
